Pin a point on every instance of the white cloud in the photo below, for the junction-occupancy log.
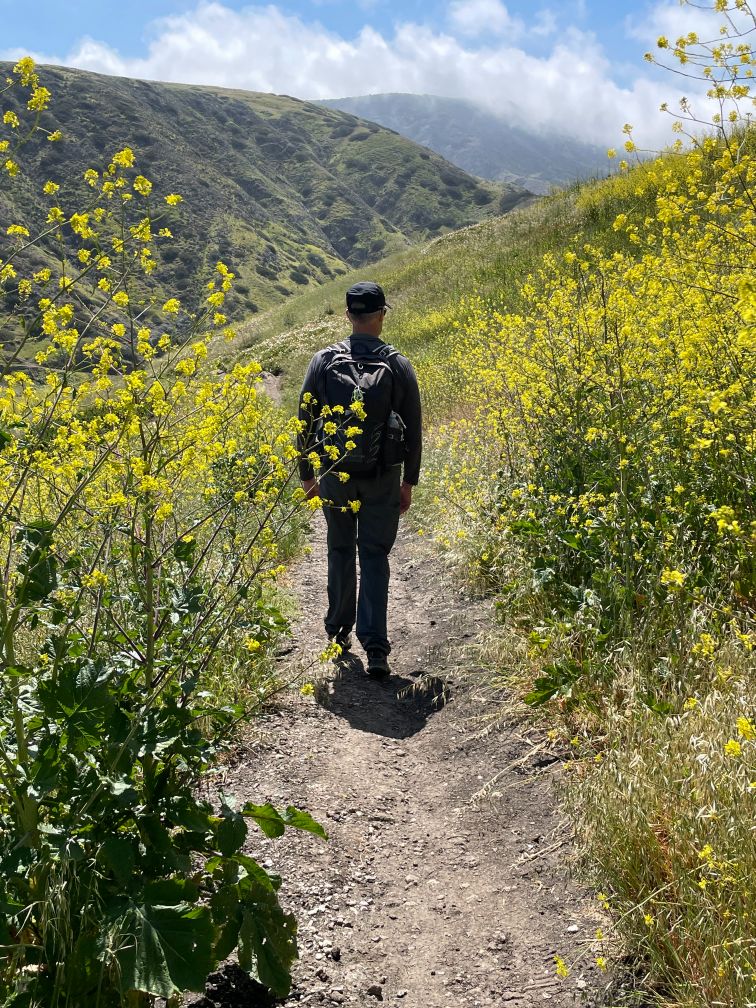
(545, 23)
(483, 18)
(569, 90)
(673, 19)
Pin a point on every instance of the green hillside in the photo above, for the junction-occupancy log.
(425, 286)
(288, 194)
(487, 145)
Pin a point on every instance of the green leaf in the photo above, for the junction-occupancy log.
(171, 892)
(268, 943)
(39, 569)
(525, 527)
(661, 707)
(570, 539)
(79, 698)
(21, 999)
(256, 875)
(303, 821)
(228, 939)
(190, 814)
(231, 832)
(124, 790)
(6, 939)
(5, 438)
(165, 950)
(117, 854)
(540, 695)
(267, 818)
(184, 550)
(558, 678)
(155, 835)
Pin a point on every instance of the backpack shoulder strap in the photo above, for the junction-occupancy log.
(388, 353)
(337, 348)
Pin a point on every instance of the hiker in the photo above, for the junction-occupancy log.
(363, 490)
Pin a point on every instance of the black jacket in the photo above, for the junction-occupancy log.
(406, 403)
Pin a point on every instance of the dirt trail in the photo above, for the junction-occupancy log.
(423, 897)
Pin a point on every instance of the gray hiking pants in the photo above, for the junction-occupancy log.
(371, 532)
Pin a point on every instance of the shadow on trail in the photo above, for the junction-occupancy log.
(231, 987)
(397, 707)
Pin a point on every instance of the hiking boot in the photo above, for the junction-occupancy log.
(377, 664)
(343, 638)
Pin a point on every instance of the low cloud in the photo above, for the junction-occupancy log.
(569, 90)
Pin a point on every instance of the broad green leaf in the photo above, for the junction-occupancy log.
(79, 699)
(190, 814)
(154, 833)
(268, 943)
(165, 950)
(231, 832)
(267, 818)
(170, 892)
(661, 707)
(303, 821)
(39, 570)
(228, 938)
(184, 550)
(537, 697)
(557, 678)
(117, 854)
(257, 873)
(570, 539)
(124, 790)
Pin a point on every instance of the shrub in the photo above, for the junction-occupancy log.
(143, 507)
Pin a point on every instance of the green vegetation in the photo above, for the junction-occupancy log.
(587, 367)
(588, 372)
(423, 285)
(288, 194)
(483, 143)
(146, 508)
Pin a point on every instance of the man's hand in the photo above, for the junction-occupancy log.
(405, 497)
(311, 488)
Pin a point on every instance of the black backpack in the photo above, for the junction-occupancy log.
(357, 374)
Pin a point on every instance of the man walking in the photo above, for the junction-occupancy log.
(362, 485)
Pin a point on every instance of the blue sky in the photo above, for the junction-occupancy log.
(57, 27)
(576, 66)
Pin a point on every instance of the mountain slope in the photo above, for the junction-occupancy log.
(483, 144)
(287, 193)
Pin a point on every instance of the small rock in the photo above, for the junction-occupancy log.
(336, 996)
(376, 991)
(401, 993)
(573, 929)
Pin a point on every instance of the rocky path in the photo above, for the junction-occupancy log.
(424, 896)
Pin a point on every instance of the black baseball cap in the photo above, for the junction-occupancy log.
(365, 297)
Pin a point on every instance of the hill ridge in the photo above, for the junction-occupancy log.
(288, 193)
(487, 145)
